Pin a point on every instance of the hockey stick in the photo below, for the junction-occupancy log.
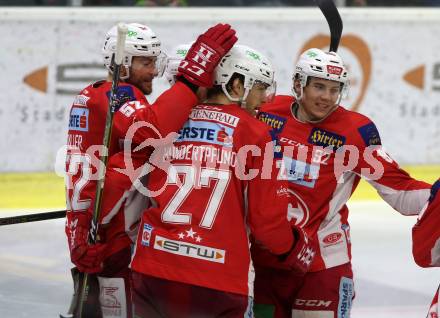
(113, 103)
(331, 13)
(32, 217)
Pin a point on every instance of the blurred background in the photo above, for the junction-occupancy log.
(218, 3)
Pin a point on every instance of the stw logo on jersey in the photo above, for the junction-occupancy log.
(336, 70)
(201, 252)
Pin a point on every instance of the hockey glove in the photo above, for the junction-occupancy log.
(204, 55)
(301, 255)
(87, 258)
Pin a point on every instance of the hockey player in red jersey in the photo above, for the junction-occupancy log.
(326, 150)
(121, 203)
(192, 254)
(426, 240)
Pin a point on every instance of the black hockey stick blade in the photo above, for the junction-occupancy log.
(32, 217)
(331, 13)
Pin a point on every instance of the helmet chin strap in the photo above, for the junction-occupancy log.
(242, 100)
(127, 73)
(239, 100)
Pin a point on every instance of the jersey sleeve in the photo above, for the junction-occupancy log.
(426, 232)
(405, 194)
(267, 199)
(166, 115)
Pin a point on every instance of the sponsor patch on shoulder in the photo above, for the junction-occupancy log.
(146, 234)
(370, 134)
(124, 94)
(81, 100)
(324, 138)
(79, 119)
(276, 122)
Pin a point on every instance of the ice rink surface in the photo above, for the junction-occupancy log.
(35, 279)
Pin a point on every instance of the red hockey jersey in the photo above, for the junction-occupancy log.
(426, 232)
(434, 308)
(323, 163)
(85, 136)
(219, 188)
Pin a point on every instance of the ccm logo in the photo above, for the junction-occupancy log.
(313, 302)
(332, 238)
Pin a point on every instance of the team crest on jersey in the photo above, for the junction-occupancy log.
(206, 132)
(79, 119)
(324, 138)
(124, 94)
(146, 235)
(276, 122)
(370, 135)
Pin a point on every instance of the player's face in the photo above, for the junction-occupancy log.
(319, 98)
(256, 96)
(142, 72)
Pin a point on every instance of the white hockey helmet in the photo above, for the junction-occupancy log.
(250, 63)
(140, 41)
(178, 53)
(326, 65)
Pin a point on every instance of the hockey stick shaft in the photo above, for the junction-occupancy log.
(331, 13)
(117, 61)
(32, 217)
(122, 32)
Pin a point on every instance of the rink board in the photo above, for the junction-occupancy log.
(35, 279)
(46, 190)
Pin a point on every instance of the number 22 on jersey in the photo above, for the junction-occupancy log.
(77, 164)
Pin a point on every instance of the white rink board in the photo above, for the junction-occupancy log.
(35, 279)
(392, 54)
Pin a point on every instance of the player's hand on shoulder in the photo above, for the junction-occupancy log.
(204, 55)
